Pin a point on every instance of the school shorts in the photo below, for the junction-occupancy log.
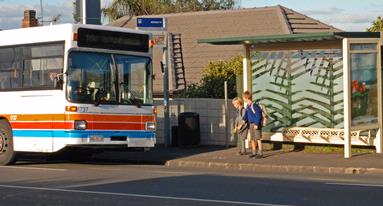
(255, 134)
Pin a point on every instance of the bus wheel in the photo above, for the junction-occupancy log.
(7, 155)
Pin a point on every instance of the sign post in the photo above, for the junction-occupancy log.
(157, 26)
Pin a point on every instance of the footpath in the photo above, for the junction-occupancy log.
(274, 160)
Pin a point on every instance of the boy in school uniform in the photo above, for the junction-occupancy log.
(253, 116)
(241, 127)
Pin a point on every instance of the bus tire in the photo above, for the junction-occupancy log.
(7, 154)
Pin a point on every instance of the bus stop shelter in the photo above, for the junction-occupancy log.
(317, 87)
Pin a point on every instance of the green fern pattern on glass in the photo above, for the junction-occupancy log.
(299, 88)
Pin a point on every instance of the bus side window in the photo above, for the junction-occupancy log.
(35, 78)
(38, 72)
(15, 79)
(3, 81)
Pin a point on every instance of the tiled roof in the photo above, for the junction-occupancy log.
(299, 23)
(225, 23)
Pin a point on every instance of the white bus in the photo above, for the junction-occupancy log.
(74, 86)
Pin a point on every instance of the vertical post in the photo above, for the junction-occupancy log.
(346, 98)
(171, 66)
(165, 61)
(247, 69)
(226, 119)
(42, 12)
(378, 138)
(83, 12)
(89, 11)
(247, 79)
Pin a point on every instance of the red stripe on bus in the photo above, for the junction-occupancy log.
(70, 125)
(42, 125)
(110, 118)
(117, 126)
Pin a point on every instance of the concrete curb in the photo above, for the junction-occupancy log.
(275, 168)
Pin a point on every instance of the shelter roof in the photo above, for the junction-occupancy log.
(284, 38)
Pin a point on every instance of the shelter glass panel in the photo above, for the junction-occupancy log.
(300, 88)
(358, 47)
(364, 89)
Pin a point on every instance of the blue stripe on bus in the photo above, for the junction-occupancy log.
(81, 134)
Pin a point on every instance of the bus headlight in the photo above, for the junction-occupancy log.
(151, 126)
(80, 124)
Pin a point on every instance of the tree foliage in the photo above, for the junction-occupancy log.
(213, 78)
(377, 25)
(120, 8)
(75, 15)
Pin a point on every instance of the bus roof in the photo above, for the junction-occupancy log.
(53, 33)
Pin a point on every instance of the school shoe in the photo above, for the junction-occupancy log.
(252, 156)
(259, 156)
(241, 153)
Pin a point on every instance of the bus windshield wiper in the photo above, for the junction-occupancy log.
(133, 99)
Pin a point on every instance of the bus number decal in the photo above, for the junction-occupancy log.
(82, 109)
(13, 117)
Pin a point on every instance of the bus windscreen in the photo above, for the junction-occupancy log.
(112, 40)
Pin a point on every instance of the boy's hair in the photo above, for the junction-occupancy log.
(239, 100)
(247, 95)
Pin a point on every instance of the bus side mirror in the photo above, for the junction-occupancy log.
(58, 80)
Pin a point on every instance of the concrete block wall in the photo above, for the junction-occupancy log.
(211, 116)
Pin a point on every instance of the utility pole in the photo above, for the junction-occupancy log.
(42, 12)
(165, 61)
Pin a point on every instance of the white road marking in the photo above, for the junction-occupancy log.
(172, 173)
(105, 169)
(93, 184)
(34, 168)
(354, 184)
(140, 195)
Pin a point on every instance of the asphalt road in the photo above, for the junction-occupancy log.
(100, 183)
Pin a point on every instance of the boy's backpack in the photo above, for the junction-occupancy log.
(265, 115)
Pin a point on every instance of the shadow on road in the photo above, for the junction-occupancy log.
(156, 156)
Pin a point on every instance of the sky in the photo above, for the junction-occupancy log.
(348, 15)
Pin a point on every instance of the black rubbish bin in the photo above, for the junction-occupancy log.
(174, 136)
(188, 129)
